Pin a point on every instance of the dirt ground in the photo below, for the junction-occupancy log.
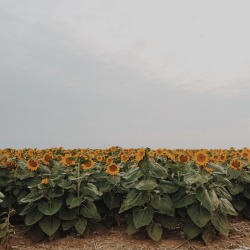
(101, 238)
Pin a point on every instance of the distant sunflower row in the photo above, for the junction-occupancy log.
(112, 158)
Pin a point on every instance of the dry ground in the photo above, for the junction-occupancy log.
(100, 237)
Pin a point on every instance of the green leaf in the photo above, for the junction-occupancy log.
(133, 174)
(191, 230)
(182, 199)
(112, 201)
(193, 176)
(156, 169)
(90, 211)
(67, 214)
(208, 198)
(68, 224)
(168, 222)
(226, 207)
(33, 217)
(245, 177)
(146, 185)
(198, 214)
(217, 169)
(168, 187)
(239, 204)
(223, 193)
(143, 217)
(208, 235)
(90, 190)
(37, 234)
(50, 208)
(154, 231)
(31, 197)
(75, 202)
(134, 198)
(246, 193)
(236, 188)
(80, 226)
(220, 223)
(28, 208)
(164, 205)
(131, 229)
(49, 224)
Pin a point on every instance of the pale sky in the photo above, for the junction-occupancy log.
(131, 73)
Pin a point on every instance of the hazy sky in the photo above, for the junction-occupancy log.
(132, 73)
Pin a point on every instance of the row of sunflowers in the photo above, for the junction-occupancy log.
(60, 191)
(113, 156)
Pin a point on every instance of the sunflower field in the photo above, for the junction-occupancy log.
(61, 191)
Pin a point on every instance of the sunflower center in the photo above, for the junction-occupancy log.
(33, 163)
(236, 164)
(68, 161)
(113, 168)
(48, 158)
(88, 164)
(201, 157)
(183, 158)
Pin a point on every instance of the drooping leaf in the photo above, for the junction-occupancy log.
(90, 211)
(226, 207)
(49, 224)
(146, 185)
(198, 214)
(154, 231)
(182, 199)
(143, 217)
(50, 208)
(80, 226)
(33, 217)
(220, 222)
(191, 230)
(208, 198)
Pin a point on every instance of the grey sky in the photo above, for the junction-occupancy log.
(132, 73)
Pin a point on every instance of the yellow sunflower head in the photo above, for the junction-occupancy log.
(124, 158)
(45, 181)
(201, 158)
(68, 160)
(140, 154)
(236, 164)
(88, 165)
(33, 164)
(183, 158)
(47, 158)
(159, 152)
(113, 169)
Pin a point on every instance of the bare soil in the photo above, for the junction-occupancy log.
(101, 238)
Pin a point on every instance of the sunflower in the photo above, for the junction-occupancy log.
(222, 157)
(201, 158)
(159, 152)
(99, 158)
(33, 164)
(124, 158)
(11, 165)
(47, 158)
(236, 164)
(140, 154)
(68, 160)
(113, 169)
(183, 158)
(88, 165)
(45, 181)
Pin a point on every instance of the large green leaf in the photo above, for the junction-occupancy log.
(168, 187)
(68, 224)
(33, 217)
(239, 204)
(133, 174)
(199, 215)
(50, 208)
(182, 199)
(90, 190)
(156, 170)
(75, 202)
(112, 201)
(67, 214)
(220, 222)
(191, 230)
(49, 224)
(90, 211)
(32, 196)
(134, 198)
(226, 207)
(236, 188)
(154, 231)
(208, 235)
(168, 222)
(246, 192)
(208, 198)
(146, 185)
(193, 177)
(163, 204)
(143, 217)
(223, 193)
(80, 226)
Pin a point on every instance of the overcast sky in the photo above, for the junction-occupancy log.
(134, 73)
